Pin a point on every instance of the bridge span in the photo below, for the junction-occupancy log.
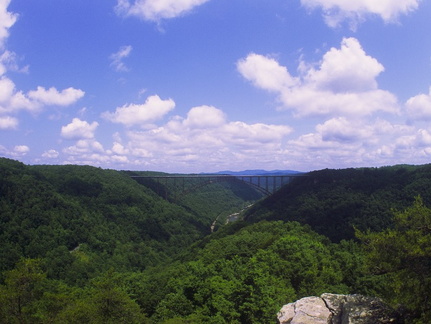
(184, 184)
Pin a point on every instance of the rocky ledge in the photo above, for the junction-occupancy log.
(338, 309)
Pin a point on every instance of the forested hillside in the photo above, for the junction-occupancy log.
(109, 218)
(211, 200)
(80, 244)
(335, 202)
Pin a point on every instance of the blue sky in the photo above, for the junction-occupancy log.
(210, 85)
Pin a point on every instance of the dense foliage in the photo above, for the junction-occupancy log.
(80, 244)
(98, 216)
(401, 257)
(335, 202)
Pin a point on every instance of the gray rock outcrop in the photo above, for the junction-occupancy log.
(338, 309)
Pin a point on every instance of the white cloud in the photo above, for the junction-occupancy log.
(8, 62)
(419, 107)
(7, 20)
(309, 102)
(348, 69)
(255, 134)
(423, 138)
(12, 100)
(90, 151)
(17, 151)
(20, 101)
(153, 109)
(7, 59)
(7, 89)
(337, 11)
(54, 97)
(119, 149)
(50, 154)
(265, 72)
(79, 129)
(203, 140)
(117, 59)
(155, 10)
(8, 122)
(85, 148)
(342, 130)
(343, 142)
(204, 117)
(343, 84)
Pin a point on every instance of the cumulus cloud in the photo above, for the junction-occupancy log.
(85, 146)
(8, 122)
(204, 139)
(343, 142)
(153, 109)
(342, 130)
(347, 69)
(240, 133)
(266, 73)
(419, 107)
(17, 152)
(12, 100)
(79, 129)
(156, 10)
(21, 149)
(7, 89)
(7, 20)
(90, 151)
(53, 97)
(355, 11)
(117, 59)
(119, 149)
(344, 83)
(205, 117)
(8, 62)
(87, 151)
(50, 154)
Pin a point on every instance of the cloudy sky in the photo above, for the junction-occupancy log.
(210, 85)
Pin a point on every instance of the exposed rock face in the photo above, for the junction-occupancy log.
(307, 310)
(338, 309)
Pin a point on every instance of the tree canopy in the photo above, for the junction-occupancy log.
(80, 244)
(401, 256)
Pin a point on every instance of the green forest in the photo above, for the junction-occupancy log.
(81, 244)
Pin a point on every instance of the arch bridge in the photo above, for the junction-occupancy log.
(184, 184)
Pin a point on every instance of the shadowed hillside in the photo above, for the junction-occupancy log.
(211, 200)
(334, 202)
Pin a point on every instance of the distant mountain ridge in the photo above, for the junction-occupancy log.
(258, 172)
